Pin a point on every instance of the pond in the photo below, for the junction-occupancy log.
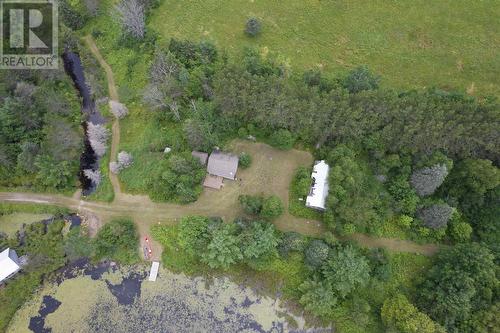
(106, 298)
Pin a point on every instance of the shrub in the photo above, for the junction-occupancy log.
(360, 79)
(312, 77)
(425, 181)
(346, 270)
(302, 182)
(118, 240)
(316, 253)
(118, 109)
(251, 204)
(178, 178)
(398, 313)
(192, 236)
(259, 240)
(223, 248)
(291, 241)
(435, 216)
(405, 221)
(272, 208)
(318, 297)
(460, 231)
(404, 195)
(348, 229)
(242, 133)
(125, 159)
(245, 160)
(380, 263)
(253, 27)
(282, 139)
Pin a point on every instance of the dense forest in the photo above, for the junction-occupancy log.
(40, 134)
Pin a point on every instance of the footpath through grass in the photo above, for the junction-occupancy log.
(450, 44)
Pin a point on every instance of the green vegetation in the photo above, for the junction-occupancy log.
(44, 247)
(50, 246)
(104, 192)
(268, 208)
(461, 283)
(349, 283)
(118, 241)
(299, 190)
(253, 27)
(355, 199)
(12, 208)
(40, 135)
(398, 313)
(456, 51)
(245, 160)
(419, 164)
(178, 180)
(11, 223)
(272, 208)
(282, 139)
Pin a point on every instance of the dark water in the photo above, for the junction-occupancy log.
(74, 219)
(37, 323)
(88, 159)
(127, 291)
(83, 267)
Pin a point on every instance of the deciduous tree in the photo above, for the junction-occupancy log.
(346, 270)
(398, 313)
(132, 17)
(223, 248)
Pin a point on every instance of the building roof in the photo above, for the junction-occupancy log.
(319, 189)
(214, 182)
(203, 157)
(8, 263)
(223, 165)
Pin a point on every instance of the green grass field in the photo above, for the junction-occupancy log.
(10, 224)
(452, 44)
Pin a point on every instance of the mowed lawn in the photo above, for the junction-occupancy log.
(451, 44)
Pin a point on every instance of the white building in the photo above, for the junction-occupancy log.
(319, 188)
(9, 264)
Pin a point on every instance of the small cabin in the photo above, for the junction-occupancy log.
(223, 165)
(319, 186)
(9, 264)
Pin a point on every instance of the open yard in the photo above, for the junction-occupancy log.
(271, 172)
(452, 44)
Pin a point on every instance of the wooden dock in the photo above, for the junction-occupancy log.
(154, 271)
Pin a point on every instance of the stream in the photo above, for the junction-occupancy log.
(88, 159)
